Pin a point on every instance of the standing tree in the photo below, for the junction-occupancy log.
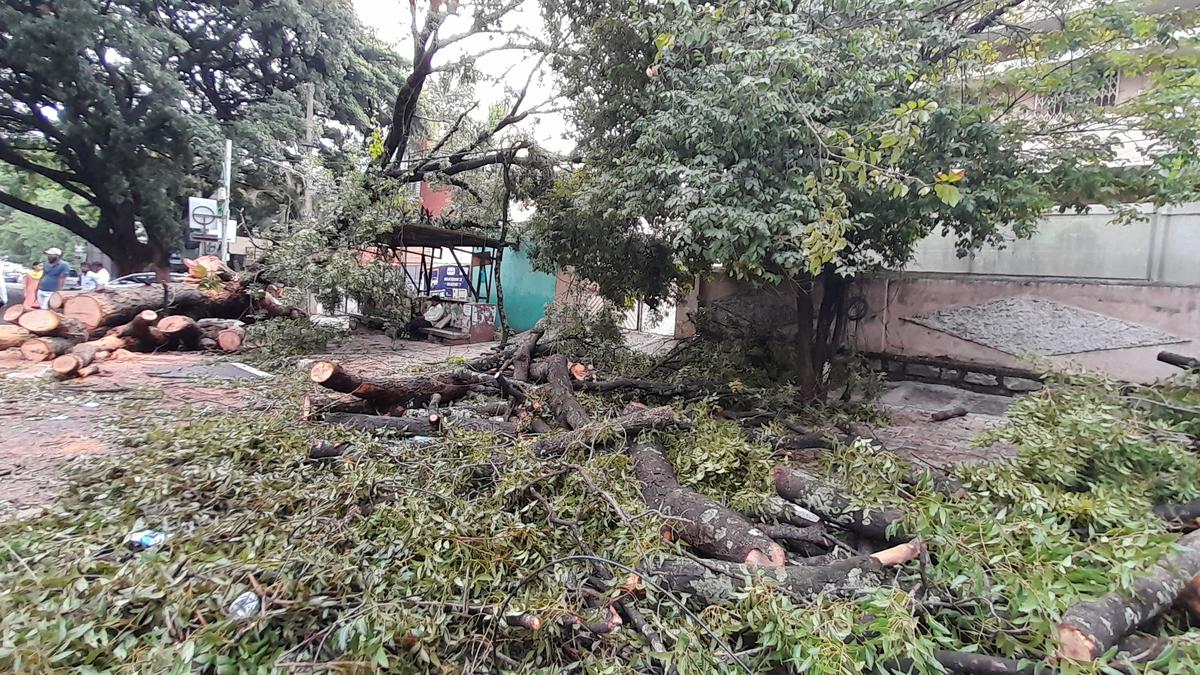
(124, 104)
(798, 144)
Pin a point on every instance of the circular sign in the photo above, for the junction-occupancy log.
(204, 216)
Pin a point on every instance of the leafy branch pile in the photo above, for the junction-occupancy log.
(473, 551)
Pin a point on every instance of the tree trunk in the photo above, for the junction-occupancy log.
(559, 393)
(47, 322)
(117, 306)
(713, 529)
(84, 353)
(12, 336)
(830, 502)
(970, 663)
(523, 356)
(231, 339)
(1088, 629)
(415, 426)
(142, 329)
(1179, 360)
(601, 432)
(45, 348)
(181, 330)
(714, 582)
(807, 380)
(389, 391)
(655, 388)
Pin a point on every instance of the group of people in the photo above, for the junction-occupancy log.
(46, 279)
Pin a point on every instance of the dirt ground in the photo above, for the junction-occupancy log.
(42, 428)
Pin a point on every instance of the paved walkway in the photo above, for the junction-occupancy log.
(912, 435)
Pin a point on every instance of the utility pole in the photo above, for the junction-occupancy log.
(310, 133)
(223, 197)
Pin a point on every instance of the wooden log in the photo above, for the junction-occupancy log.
(57, 299)
(1089, 629)
(390, 391)
(798, 539)
(830, 502)
(602, 432)
(407, 426)
(45, 348)
(88, 371)
(522, 357)
(713, 529)
(181, 330)
(142, 329)
(274, 307)
(715, 582)
(1184, 516)
(969, 663)
(662, 390)
(207, 266)
(85, 353)
(776, 509)
(12, 313)
(487, 409)
(314, 405)
(115, 306)
(559, 395)
(1179, 360)
(12, 335)
(231, 339)
(218, 325)
(948, 413)
(47, 322)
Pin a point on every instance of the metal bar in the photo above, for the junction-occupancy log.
(466, 275)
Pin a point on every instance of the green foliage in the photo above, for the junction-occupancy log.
(126, 104)
(23, 238)
(277, 342)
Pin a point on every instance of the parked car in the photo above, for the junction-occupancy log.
(144, 278)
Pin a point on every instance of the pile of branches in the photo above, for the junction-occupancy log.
(80, 330)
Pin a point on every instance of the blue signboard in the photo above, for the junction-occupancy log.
(449, 282)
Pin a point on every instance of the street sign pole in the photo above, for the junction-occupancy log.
(226, 178)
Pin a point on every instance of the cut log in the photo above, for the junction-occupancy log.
(231, 339)
(181, 330)
(605, 431)
(207, 266)
(141, 328)
(1089, 629)
(522, 357)
(558, 393)
(830, 502)
(315, 405)
(45, 348)
(271, 304)
(47, 322)
(115, 306)
(489, 409)
(1179, 360)
(12, 335)
(56, 301)
(88, 371)
(713, 529)
(11, 314)
(948, 413)
(714, 582)
(385, 391)
(85, 353)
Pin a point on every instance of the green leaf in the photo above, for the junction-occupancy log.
(948, 193)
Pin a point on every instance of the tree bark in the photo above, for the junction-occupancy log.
(807, 377)
(971, 663)
(657, 389)
(1088, 629)
(714, 582)
(142, 329)
(1179, 360)
(713, 529)
(604, 431)
(84, 353)
(523, 356)
(390, 391)
(314, 405)
(116, 306)
(560, 395)
(415, 426)
(45, 348)
(1181, 516)
(829, 501)
(12, 336)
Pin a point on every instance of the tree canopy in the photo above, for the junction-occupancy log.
(124, 104)
(796, 142)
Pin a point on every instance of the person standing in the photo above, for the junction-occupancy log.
(54, 276)
(32, 278)
(95, 278)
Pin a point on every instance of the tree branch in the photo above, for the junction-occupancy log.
(67, 218)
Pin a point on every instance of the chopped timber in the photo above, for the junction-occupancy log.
(948, 413)
(601, 432)
(560, 397)
(713, 529)
(383, 391)
(12, 313)
(1089, 629)
(142, 329)
(85, 353)
(1179, 360)
(12, 335)
(522, 357)
(45, 348)
(408, 426)
(115, 306)
(57, 299)
(181, 330)
(314, 405)
(830, 502)
(231, 339)
(715, 582)
(217, 325)
(47, 322)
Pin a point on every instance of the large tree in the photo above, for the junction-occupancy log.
(125, 103)
(799, 143)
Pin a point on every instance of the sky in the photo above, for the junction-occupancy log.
(503, 71)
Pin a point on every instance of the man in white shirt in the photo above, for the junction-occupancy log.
(435, 316)
(96, 278)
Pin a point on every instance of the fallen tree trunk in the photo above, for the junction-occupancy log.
(45, 348)
(1089, 629)
(830, 502)
(381, 390)
(47, 322)
(1179, 360)
(111, 307)
(12, 335)
(714, 582)
(559, 395)
(713, 529)
(776, 509)
(602, 432)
